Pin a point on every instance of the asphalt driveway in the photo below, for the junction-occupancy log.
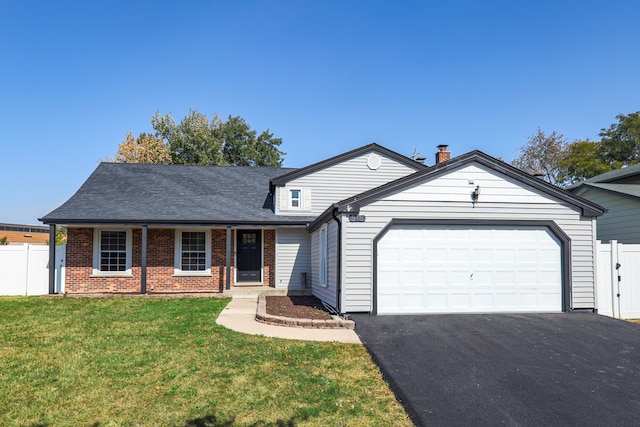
(502, 369)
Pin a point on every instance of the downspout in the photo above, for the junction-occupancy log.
(338, 261)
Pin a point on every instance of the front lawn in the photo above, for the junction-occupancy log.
(152, 362)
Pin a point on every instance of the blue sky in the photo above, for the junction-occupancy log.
(325, 76)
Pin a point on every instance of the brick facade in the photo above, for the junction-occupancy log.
(160, 264)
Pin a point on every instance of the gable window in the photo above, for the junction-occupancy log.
(324, 267)
(112, 252)
(295, 199)
(193, 252)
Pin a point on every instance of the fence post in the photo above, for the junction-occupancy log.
(615, 291)
(52, 259)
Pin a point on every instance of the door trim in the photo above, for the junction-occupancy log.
(235, 257)
(565, 246)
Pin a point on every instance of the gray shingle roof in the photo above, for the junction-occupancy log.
(174, 194)
(632, 190)
(610, 176)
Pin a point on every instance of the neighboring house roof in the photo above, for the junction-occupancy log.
(297, 173)
(24, 228)
(24, 233)
(626, 190)
(352, 204)
(611, 176)
(174, 194)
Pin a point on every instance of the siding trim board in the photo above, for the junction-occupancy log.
(565, 251)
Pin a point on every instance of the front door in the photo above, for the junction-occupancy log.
(249, 255)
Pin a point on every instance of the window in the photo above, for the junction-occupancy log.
(193, 252)
(112, 252)
(323, 257)
(295, 202)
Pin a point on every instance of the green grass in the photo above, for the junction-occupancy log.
(165, 362)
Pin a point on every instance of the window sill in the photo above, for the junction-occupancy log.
(192, 274)
(111, 274)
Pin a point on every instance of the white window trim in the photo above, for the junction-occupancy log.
(177, 268)
(96, 254)
(323, 241)
(291, 199)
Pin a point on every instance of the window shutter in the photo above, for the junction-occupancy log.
(306, 195)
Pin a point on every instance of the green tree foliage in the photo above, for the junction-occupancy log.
(198, 140)
(4, 241)
(620, 143)
(542, 154)
(61, 236)
(581, 161)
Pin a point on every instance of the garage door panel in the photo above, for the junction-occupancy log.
(467, 269)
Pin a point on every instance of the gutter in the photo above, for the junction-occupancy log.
(338, 261)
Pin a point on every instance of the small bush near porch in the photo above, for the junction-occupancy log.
(141, 361)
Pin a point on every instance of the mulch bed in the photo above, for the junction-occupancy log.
(298, 307)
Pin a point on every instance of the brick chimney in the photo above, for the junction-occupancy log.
(442, 155)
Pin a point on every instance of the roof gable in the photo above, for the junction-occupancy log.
(353, 204)
(283, 179)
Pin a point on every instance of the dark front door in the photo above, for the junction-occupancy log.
(249, 255)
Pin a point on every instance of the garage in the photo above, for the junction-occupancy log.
(468, 269)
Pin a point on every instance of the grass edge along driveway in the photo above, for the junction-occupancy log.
(156, 361)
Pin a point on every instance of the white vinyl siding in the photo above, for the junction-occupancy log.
(293, 257)
(621, 222)
(334, 183)
(323, 255)
(449, 197)
(326, 292)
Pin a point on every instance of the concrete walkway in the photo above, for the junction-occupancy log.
(240, 316)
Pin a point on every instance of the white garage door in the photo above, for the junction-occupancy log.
(461, 269)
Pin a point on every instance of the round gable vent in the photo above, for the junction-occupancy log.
(373, 161)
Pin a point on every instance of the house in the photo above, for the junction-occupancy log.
(23, 233)
(619, 192)
(369, 230)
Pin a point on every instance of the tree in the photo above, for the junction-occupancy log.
(144, 149)
(4, 241)
(61, 236)
(542, 154)
(581, 161)
(202, 141)
(620, 144)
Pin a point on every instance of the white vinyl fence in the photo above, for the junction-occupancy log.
(618, 284)
(24, 269)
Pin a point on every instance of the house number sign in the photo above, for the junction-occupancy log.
(357, 218)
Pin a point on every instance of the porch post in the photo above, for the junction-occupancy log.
(143, 262)
(228, 278)
(52, 259)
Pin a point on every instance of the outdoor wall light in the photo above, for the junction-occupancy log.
(475, 195)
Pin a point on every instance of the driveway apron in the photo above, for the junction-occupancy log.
(509, 369)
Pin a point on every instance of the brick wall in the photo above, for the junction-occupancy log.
(160, 264)
(269, 271)
(79, 266)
